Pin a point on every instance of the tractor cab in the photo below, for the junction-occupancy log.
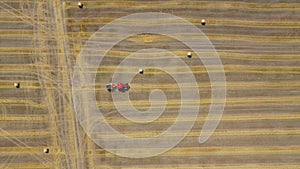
(123, 87)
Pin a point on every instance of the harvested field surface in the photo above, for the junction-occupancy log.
(257, 41)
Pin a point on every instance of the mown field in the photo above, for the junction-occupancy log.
(258, 44)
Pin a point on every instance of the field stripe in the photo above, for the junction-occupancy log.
(184, 4)
(236, 100)
(18, 50)
(233, 150)
(240, 117)
(196, 21)
(202, 69)
(213, 151)
(219, 132)
(24, 134)
(194, 69)
(259, 56)
(179, 53)
(236, 166)
(237, 37)
(229, 85)
(27, 166)
(16, 33)
(183, 54)
(239, 84)
(19, 101)
(23, 118)
(294, 104)
(4, 150)
(225, 37)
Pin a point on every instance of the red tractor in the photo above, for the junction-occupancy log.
(123, 87)
(111, 87)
